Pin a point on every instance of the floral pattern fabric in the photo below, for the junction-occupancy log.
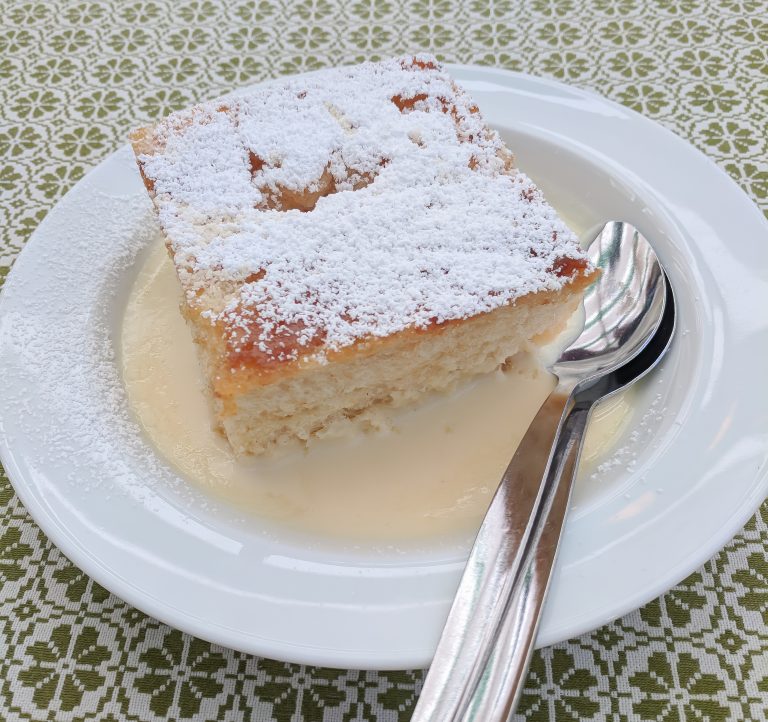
(75, 77)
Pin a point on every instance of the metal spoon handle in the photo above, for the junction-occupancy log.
(469, 638)
(504, 675)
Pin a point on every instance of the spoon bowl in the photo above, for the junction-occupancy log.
(623, 308)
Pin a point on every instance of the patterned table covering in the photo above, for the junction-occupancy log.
(75, 77)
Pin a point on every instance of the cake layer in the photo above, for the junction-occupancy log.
(400, 369)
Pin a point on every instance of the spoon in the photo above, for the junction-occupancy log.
(483, 654)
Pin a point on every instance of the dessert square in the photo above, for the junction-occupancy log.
(350, 240)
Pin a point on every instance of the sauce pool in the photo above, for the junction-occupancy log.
(430, 474)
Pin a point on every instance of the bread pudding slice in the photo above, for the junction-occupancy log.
(351, 239)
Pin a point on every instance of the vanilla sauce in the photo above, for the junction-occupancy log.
(431, 474)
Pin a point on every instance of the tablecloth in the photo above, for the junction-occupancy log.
(75, 77)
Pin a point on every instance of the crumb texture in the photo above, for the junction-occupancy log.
(343, 397)
(351, 204)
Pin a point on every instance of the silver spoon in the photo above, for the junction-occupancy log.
(483, 654)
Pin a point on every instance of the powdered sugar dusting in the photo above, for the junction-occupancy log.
(67, 416)
(415, 215)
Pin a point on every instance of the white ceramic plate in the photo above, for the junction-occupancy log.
(686, 479)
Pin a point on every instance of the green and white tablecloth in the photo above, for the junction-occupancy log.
(75, 77)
